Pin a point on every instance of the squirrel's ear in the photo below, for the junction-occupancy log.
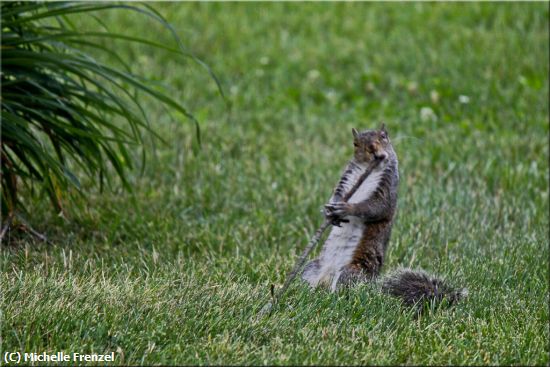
(383, 129)
(355, 133)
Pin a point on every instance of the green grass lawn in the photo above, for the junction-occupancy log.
(176, 275)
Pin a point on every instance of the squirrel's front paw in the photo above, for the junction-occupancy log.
(340, 209)
(336, 212)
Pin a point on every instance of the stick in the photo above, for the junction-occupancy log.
(27, 226)
(6, 226)
(314, 241)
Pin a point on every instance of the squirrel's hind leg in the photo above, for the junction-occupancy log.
(351, 275)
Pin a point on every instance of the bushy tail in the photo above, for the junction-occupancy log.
(416, 288)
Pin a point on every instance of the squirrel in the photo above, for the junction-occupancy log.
(355, 248)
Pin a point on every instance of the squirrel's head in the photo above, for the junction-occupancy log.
(371, 144)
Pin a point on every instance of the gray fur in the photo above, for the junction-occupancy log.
(416, 287)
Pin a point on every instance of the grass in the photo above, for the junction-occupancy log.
(174, 273)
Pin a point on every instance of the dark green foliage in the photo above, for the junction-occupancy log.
(63, 110)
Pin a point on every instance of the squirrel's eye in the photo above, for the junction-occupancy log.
(355, 145)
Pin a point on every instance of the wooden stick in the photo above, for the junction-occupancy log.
(314, 241)
(6, 226)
